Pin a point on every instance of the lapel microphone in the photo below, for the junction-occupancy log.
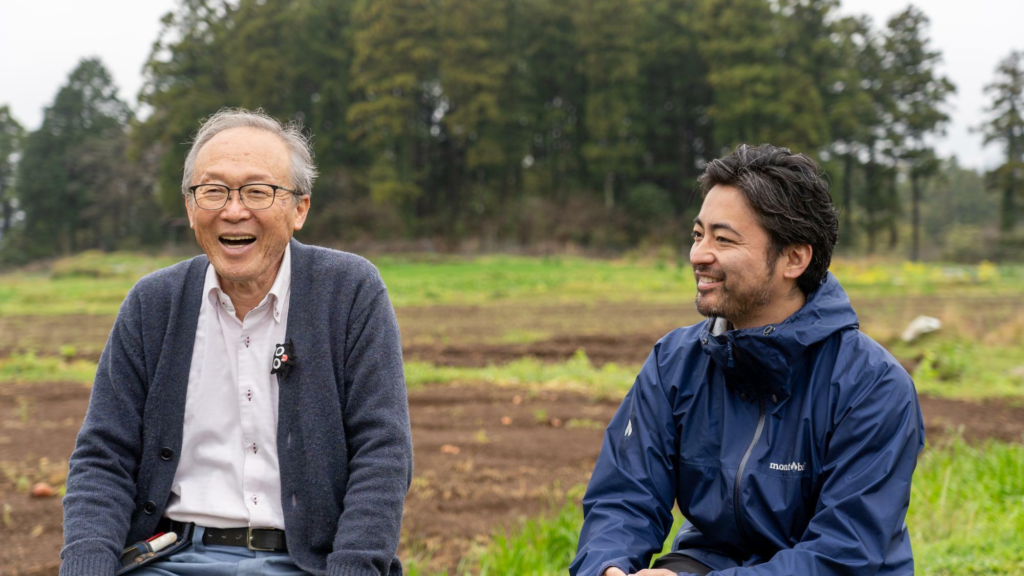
(284, 359)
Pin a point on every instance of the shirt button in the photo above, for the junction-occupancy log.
(166, 453)
(254, 448)
(255, 500)
(149, 507)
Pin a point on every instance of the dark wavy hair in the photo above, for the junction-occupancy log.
(790, 197)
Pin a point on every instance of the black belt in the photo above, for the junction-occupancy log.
(259, 539)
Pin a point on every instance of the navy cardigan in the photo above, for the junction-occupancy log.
(343, 438)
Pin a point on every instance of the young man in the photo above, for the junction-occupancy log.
(786, 436)
(251, 400)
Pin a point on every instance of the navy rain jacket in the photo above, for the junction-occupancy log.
(789, 448)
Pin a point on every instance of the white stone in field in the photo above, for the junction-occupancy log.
(920, 326)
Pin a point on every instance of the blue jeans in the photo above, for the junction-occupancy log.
(217, 560)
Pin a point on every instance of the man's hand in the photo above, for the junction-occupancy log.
(648, 572)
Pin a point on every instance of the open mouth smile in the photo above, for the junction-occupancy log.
(707, 282)
(237, 241)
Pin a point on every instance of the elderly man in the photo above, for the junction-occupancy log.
(786, 437)
(252, 400)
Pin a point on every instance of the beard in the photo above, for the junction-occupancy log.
(736, 303)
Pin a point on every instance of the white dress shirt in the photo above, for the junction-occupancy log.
(228, 475)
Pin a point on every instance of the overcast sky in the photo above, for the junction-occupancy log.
(42, 41)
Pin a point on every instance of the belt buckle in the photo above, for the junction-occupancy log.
(248, 539)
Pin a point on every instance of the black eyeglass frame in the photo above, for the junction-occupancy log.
(241, 199)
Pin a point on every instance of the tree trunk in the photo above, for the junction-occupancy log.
(848, 198)
(915, 246)
(609, 190)
(8, 214)
(1009, 216)
(894, 204)
(871, 206)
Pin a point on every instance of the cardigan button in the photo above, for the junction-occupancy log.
(149, 507)
(166, 453)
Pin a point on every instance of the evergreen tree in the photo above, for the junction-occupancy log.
(854, 110)
(395, 70)
(918, 95)
(608, 32)
(52, 190)
(761, 93)
(184, 80)
(553, 117)
(1007, 127)
(11, 137)
(675, 130)
(473, 70)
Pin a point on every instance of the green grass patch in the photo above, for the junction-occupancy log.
(95, 282)
(962, 368)
(575, 375)
(451, 280)
(966, 517)
(88, 283)
(27, 368)
(967, 510)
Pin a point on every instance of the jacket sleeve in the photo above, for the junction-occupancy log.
(627, 509)
(376, 420)
(864, 499)
(101, 479)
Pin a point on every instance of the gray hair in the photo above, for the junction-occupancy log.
(303, 170)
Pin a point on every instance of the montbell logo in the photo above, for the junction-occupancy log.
(791, 467)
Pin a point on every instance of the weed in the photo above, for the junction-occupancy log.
(966, 516)
(540, 416)
(23, 409)
(27, 367)
(575, 375)
(68, 352)
(584, 423)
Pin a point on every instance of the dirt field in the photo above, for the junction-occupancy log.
(473, 335)
(485, 457)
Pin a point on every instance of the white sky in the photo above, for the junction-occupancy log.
(42, 41)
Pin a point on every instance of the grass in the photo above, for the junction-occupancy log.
(27, 368)
(967, 509)
(96, 283)
(966, 517)
(88, 283)
(950, 368)
(575, 375)
(966, 369)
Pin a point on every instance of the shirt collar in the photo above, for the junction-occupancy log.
(276, 295)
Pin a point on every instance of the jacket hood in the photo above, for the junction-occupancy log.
(760, 359)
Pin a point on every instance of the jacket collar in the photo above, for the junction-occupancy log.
(759, 360)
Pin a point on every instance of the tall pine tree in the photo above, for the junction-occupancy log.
(52, 189)
(1006, 126)
(918, 95)
(11, 137)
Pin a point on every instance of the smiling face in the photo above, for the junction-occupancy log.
(730, 257)
(246, 246)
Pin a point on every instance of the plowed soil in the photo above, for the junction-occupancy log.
(484, 458)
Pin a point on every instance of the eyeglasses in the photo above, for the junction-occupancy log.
(253, 196)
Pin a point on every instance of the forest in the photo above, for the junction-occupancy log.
(523, 125)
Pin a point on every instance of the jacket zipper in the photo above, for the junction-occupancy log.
(743, 464)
